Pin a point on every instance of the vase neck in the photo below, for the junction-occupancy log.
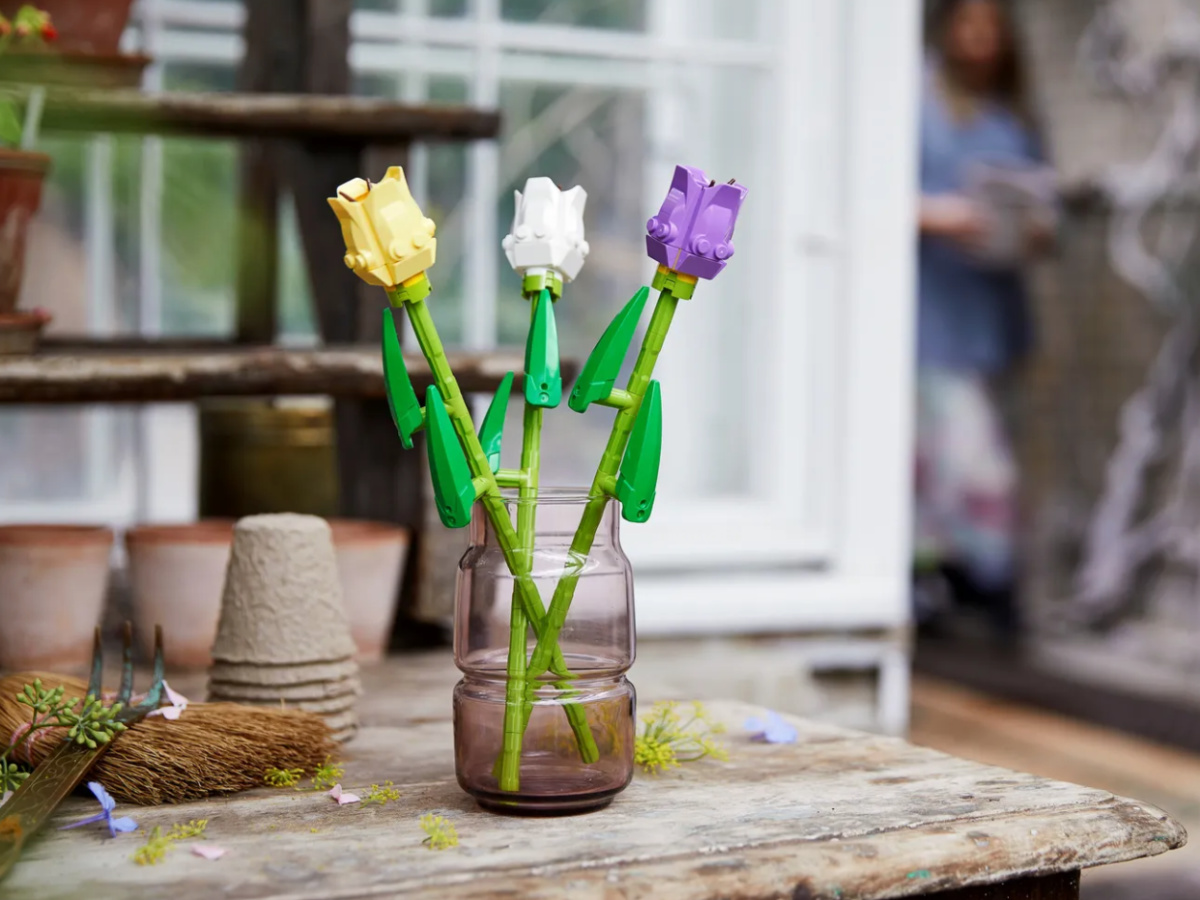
(555, 515)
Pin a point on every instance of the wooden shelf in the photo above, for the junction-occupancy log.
(138, 372)
(73, 68)
(233, 115)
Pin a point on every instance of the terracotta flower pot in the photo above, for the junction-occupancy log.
(21, 175)
(176, 573)
(20, 332)
(53, 580)
(370, 557)
(92, 25)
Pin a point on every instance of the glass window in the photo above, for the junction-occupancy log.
(618, 15)
(611, 115)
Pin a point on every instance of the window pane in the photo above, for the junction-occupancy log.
(444, 195)
(745, 20)
(448, 8)
(199, 219)
(53, 454)
(437, 8)
(47, 451)
(620, 15)
(595, 138)
(598, 138)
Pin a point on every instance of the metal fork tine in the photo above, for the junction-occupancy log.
(154, 696)
(126, 689)
(97, 676)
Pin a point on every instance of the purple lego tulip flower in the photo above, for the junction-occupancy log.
(693, 231)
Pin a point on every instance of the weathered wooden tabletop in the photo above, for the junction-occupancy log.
(839, 814)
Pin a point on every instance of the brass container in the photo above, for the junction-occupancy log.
(262, 456)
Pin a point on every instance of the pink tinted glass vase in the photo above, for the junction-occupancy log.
(597, 642)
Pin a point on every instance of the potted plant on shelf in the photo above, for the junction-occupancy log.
(87, 46)
(21, 174)
(91, 26)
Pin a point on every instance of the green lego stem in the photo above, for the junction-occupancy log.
(514, 690)
(603, 484)
(493, 503)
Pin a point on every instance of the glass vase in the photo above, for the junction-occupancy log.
(576, 748)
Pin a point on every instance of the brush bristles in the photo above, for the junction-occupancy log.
(213, 748)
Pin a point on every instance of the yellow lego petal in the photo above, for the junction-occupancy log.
(388, 239)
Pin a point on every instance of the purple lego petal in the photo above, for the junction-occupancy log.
(692, 232)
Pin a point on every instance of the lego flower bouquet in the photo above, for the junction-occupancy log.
(544, 623)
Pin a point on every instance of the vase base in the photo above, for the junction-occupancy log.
(551, 789)
(543, 806)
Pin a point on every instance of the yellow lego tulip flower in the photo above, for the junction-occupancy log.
(389, 241)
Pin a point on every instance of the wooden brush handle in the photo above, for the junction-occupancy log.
(33, 802)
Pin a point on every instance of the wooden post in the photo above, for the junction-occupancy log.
(377, 478)
(272, 63)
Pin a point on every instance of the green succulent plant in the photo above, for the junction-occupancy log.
(30, 27)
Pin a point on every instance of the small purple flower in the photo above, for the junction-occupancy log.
(693, 230)
(772, 729)
(107, 805)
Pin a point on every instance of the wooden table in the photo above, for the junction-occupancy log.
(840, 815)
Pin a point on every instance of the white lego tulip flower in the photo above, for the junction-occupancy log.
(547, 230)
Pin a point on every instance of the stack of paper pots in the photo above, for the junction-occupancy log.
(283, 638)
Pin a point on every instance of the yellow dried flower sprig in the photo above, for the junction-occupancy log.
(382, 794)
(282, 778)
(159, 842)
(668, 738)
(440, 832)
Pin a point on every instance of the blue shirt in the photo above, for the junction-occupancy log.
(968, 317)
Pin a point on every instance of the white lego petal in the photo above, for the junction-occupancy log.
(547, 228)
(510, 239)
(571, 264)
(573, 205)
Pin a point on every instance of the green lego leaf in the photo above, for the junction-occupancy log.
(402, 399)
(453, 490)
(604, 364)
(543, 380)
(10, 124)
(638, 480)
(492, 429)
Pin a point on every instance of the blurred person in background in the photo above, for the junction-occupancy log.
(978, 144)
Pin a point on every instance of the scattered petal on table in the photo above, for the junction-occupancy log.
(343, 797)
(772, 729)
(208, 851)
(178, 703)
